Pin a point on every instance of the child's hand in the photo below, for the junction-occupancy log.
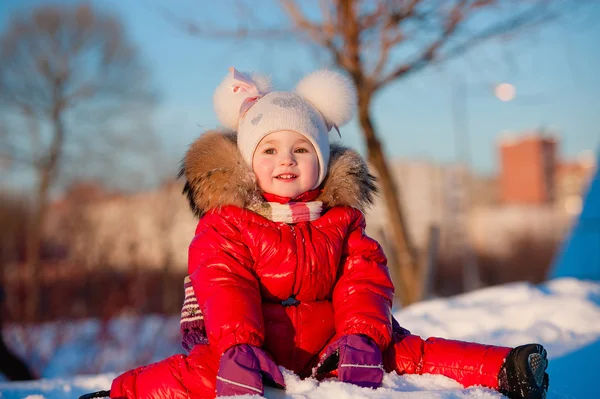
(357, 359)
(242, 370)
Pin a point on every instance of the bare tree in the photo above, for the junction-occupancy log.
(72, 93)
(378, 42)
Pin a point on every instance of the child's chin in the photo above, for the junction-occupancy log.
(287, 193)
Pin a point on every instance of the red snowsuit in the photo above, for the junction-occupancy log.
(243, 266)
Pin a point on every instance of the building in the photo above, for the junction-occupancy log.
(580, 255)
(527, 169)
(473, 213)
(572, 180)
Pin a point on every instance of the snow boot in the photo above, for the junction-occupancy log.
(523, 374)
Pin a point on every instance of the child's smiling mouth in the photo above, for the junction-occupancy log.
(287, 177)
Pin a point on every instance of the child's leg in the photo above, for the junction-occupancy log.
(466, 362)
(193, 376)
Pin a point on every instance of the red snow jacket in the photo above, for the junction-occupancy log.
(290, 288)
(243, 265)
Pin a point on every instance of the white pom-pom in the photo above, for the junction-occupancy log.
(228, 99)
(262, 82)
(331, 93)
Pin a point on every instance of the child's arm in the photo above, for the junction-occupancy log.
(228, 294)
(362, 297)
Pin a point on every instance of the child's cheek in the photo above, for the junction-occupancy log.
(262, 169)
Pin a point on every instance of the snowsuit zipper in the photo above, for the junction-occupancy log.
(296, 286)
(299, 260)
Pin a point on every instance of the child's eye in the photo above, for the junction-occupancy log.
(269, 151)
(301, 150)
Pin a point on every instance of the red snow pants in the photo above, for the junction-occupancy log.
(194, 376)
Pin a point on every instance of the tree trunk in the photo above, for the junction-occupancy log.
(167, 290)
(32, 262)
(409, 286)
(11, 366)
(47, 171)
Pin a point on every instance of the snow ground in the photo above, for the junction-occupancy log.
(563, 314)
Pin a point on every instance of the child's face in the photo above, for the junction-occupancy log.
(285, 163)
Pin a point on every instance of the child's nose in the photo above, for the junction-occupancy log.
(287, 159)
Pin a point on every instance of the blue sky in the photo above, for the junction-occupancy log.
(555, 72)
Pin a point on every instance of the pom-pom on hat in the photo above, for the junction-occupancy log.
(321, 101)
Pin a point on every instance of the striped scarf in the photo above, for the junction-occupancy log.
(292, 212)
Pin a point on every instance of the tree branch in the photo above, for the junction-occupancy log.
(323, 34)
(530, 17)
(195, 29)
(526, 19)
(455, 16)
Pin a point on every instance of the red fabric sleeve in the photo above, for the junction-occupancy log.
(228, 294)
(178, 376)
(469, 363)
(362, 297)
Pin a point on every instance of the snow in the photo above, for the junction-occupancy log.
(562, 314)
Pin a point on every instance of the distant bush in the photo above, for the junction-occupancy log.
(527, 259)
(71, 292)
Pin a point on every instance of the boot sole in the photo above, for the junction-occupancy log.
(538, 363)
(528, 379)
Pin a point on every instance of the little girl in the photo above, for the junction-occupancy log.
(281, 271)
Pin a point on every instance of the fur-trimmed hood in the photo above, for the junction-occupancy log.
(216, 175)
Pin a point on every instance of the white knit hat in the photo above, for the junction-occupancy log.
(322, 100)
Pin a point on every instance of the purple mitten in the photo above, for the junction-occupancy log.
(243, 369)
(359, 361)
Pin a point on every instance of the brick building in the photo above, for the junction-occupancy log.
(527, 169)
